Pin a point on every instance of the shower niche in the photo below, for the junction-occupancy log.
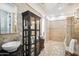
(31, 34)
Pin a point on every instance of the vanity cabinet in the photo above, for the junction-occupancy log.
(31, 34)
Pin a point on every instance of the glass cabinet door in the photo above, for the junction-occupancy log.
(32, 22)
(26, 22)
(32, 45)
(37, 44)
(33, 33)
(37, 23)
(32, 50)
(37, 35)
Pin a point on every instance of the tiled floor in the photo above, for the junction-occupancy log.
(53, 48)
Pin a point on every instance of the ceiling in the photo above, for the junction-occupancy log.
(54, 9)
(58, 9)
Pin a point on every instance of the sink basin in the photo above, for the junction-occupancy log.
(11, 46)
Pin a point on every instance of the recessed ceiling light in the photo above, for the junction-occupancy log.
(62, 14)
(61, 17)
(60, 8)
(47, 17)
(53, 18)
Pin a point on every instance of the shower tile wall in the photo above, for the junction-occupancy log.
(56, 30)
(69, 29)
(76, 28)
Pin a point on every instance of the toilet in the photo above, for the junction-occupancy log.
(73, 47)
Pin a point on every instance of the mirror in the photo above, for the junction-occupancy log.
(8, 22)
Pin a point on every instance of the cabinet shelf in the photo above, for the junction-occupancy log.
(31, 29)
(31, 43)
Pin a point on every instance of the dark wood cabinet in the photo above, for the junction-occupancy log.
(31, 34)
(41, 44)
